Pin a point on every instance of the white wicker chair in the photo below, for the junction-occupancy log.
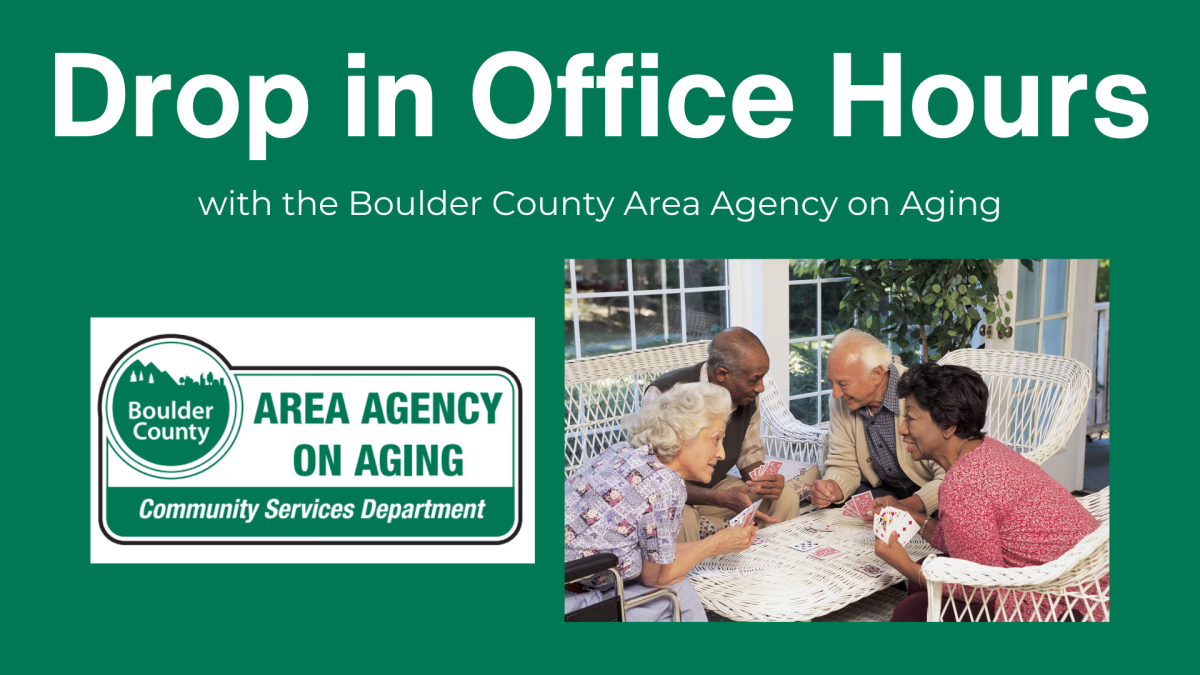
(1035, 400)
(787, 436)
(1076, 581)
(602, 391)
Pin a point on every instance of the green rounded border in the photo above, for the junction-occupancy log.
(143, 467)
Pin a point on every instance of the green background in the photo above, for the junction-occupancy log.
(98, 226)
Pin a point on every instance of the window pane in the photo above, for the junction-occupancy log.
(824, 346)
(1052, 336)
(600, 276)
(569, 323)
(567, 276)
(673, 273)
(647, 275)
(700, 273)
(657, 325)
(831, 298)
(802, 311)
(1029, 290)
(1056, 287)
(604, 326)
(1025, 338)
(706, 314)
(803, 268)
(805, 409)
(802, 368)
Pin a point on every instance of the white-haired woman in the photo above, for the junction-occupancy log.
(629, 501)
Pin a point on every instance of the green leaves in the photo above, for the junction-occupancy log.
(930, 305)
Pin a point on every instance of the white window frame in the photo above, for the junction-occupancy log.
(574, 296)
(1041, 304)
(821, 393)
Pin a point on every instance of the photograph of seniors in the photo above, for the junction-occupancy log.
(893, 440)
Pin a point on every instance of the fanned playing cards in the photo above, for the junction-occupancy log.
(769, 469)
(890, 520)
(859, 505)
(746, 517)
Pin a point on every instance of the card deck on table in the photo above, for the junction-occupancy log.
(806, 545)
(873, 570)
(891, 520)
(825, 553)
(746, 517)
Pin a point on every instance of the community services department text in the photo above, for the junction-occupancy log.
(246, 510)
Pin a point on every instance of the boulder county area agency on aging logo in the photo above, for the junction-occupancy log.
(172, 408)
(196, 450)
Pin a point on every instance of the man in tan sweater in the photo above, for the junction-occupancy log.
(866, 451)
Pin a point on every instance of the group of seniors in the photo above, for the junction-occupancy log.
(913, 438)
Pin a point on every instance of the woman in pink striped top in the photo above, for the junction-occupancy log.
(995, 507)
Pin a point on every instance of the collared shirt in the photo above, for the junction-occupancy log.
(880, 430)
(753, 447)
(628, 503)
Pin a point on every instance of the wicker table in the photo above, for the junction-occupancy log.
(771, 582)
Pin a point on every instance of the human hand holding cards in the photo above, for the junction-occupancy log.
(859, 506)
(746, 517)
(766, 480)
(891, 520)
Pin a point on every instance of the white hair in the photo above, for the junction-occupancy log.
(678, 417)
(871, 352)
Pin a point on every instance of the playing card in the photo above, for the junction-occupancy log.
(756, 473)
(905, 527)
(891, 520)
(863, 503)
(805, 545)
(746, 517)
(771, 468)
(814, 526)
(825, 553)
(881, 524)
(873, 570)
(757, 541)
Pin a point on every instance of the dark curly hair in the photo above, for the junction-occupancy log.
(955, 396)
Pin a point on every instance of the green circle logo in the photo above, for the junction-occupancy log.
(172, 408)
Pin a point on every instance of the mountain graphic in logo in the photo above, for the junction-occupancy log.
(150, 375)
(166, 420)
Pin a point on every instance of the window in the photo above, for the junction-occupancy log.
(813, 303)
(620, 305)
(1040, 321)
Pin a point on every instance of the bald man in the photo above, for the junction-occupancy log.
(866, 451)
(737, 361)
